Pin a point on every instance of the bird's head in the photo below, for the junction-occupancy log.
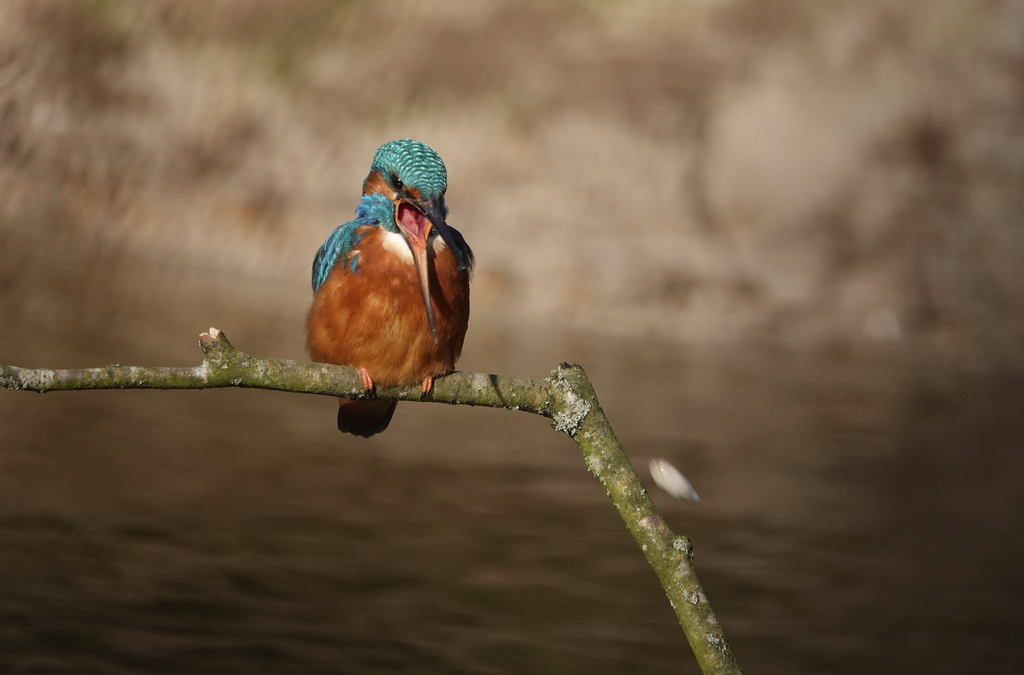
(413, 178)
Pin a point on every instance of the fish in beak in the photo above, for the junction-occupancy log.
(416, 220)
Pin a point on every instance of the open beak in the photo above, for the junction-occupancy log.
(415, 220)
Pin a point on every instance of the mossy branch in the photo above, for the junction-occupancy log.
(566, 397)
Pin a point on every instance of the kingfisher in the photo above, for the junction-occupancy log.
(391, 287)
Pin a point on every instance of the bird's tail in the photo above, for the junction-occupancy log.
(364, 418)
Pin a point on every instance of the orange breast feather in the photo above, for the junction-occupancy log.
(375, 319)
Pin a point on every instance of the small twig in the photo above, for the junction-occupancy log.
(567, 397)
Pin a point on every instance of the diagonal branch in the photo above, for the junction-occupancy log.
(566, 397)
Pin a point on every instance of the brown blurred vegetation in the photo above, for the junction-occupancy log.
(841, 174)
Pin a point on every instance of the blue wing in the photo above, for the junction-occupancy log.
(338, 247)
(373, 209)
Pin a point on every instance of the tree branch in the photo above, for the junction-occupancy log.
(566, 397)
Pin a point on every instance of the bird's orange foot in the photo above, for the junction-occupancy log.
(428, 384)
(367, 380)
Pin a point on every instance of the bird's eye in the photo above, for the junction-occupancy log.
(396, 182)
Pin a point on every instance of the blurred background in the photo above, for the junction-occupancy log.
(784, 238)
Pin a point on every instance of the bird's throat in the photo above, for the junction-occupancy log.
(394, 243)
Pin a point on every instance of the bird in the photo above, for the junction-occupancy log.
(391, 287)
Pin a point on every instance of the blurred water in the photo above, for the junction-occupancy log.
(859, 514)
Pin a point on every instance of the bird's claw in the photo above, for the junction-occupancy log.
(367, 380)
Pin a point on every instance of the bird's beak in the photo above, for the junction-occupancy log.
(415, 220)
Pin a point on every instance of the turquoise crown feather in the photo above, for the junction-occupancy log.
(416, 164)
